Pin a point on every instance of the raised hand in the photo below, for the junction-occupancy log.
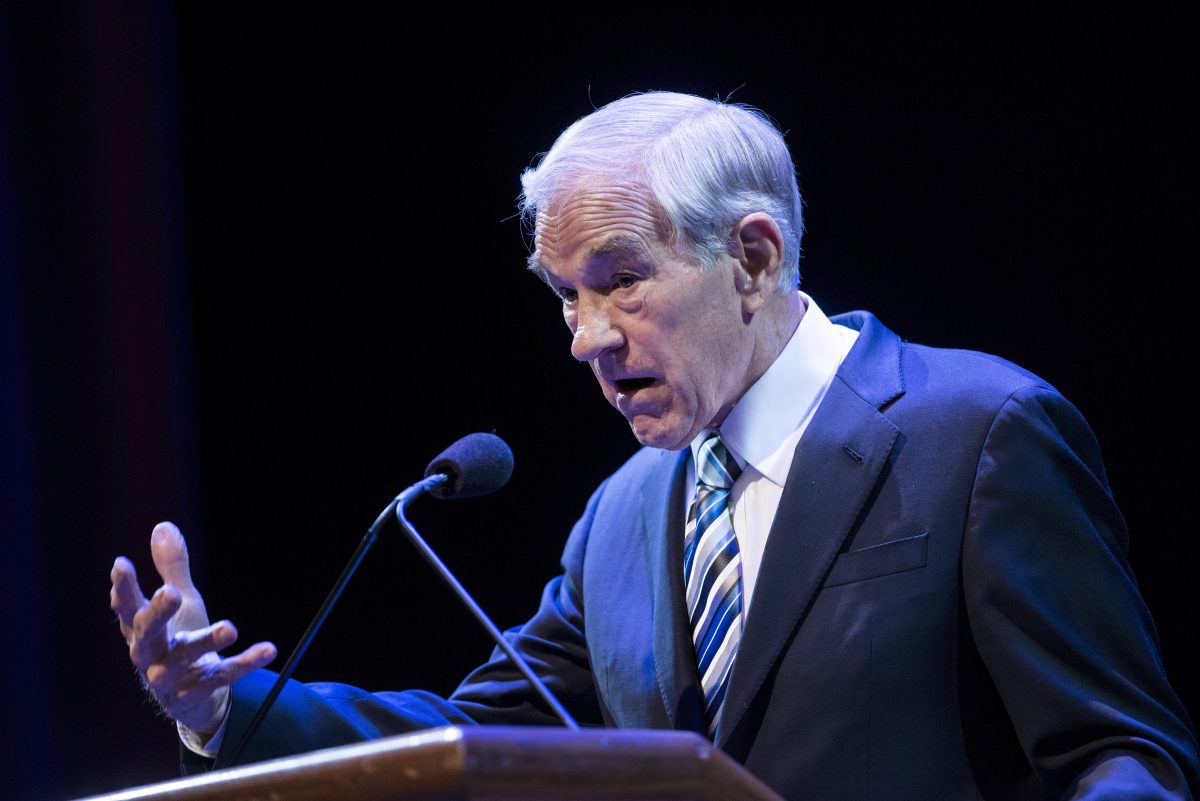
(171, 642)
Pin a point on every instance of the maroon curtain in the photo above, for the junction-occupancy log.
(95, 399)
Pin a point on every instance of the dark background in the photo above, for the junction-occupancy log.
(259, 267)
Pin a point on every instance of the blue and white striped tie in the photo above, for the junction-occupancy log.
(712, 574)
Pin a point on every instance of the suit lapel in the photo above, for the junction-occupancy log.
(674, 655)
(836, 466)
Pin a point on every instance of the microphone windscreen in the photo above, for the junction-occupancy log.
(478, 464)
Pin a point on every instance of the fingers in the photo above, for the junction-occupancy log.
(196, 693)
(225, 672)
(170, 553)
(191, 645)
(149, 627)
(188, 678)
(126, 596)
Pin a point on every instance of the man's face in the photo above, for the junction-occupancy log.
(665, 338)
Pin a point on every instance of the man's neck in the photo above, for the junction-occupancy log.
(774, 325)
(778, 320)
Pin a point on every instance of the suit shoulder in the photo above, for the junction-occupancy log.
(960, 376)
(892, 373)
(972, 395)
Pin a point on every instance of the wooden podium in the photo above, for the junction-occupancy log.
(485, 762)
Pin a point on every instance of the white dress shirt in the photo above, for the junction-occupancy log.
(763, 429)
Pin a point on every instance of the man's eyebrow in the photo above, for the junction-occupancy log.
(620, 245)
(535, 266)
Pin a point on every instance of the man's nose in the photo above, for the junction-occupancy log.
(595, 332)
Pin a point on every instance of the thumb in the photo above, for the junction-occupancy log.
(170, 554)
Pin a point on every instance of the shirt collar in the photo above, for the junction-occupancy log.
(758, 427)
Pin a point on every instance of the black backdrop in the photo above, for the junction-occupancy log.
(260, 267)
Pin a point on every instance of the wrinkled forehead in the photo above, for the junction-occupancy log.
(592, 215)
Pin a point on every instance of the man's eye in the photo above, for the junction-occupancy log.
(625, 280)
(567, 295)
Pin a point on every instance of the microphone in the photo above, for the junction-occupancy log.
(477, 464)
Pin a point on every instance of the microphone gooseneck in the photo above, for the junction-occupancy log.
(476, 610)
(475, 465)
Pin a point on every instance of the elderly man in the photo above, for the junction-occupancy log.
(865, 568)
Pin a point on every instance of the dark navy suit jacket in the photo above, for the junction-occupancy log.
(944, 609)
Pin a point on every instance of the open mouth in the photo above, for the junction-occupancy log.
(628, 385)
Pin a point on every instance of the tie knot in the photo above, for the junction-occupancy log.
(715, 468)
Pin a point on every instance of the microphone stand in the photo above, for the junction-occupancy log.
(440, 568)
(396, 507)
(339, 586)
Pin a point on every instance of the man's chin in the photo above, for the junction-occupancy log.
(657, 433)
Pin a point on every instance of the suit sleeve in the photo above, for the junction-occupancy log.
(1057, 616)
(306, 717)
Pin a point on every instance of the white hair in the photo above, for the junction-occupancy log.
(705, 164)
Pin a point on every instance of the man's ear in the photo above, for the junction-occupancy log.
(757, 244)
